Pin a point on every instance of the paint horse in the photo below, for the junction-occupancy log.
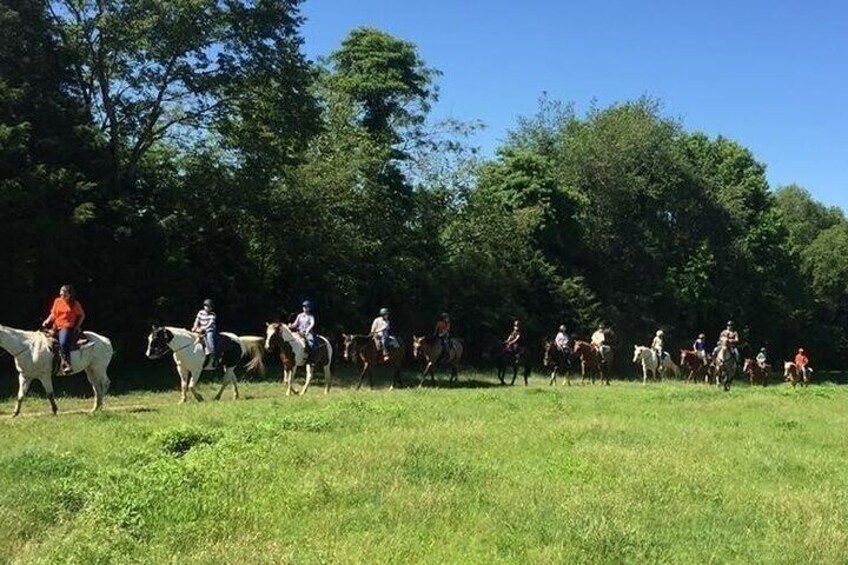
(34, 360)
(280, 338)
(190, 356)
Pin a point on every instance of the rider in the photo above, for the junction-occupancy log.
(700, 347)
(305, 326)
(512, 344)
(206, 324)
(762, 358)
(65, 318)
(802, 361)
(563, 341)
(599, 339)
(380, 328)
(657, 346)
(442, 331)
(730, 337)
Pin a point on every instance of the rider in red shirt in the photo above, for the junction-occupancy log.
(801, 361)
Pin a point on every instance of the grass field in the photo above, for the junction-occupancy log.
(667, 473)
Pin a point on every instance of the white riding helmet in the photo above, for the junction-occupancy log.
(660, 333)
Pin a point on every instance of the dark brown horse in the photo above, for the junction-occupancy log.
(276, 345)
(430, 348)
(363, 350)
(689, 360)
(756, 374)
(514, 359)
(590, 362)
(558, 361)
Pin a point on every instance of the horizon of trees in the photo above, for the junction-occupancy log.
(155, 154)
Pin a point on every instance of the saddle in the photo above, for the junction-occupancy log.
(53, 345)
(392, 343)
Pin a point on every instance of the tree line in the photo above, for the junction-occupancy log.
(157, 153)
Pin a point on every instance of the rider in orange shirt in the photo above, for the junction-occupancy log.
(442, 331)
(66, 317)
(801, 361)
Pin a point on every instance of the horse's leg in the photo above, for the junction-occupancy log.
(553, 377)
(327, 375)
(362, 374)
(454, 372)
(234, 379)
(184, 377)
(308, 369)
(424, 374)
(395, 377)
(433, 375)
(192, 382)
(23, 387)
(526, 375)
(94, 381)
(224, 382)
(47, 381)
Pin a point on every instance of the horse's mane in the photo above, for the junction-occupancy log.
(180, 331)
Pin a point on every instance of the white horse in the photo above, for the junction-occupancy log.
(190, 356)
(648, 358)
(298, 346)
(34, 360)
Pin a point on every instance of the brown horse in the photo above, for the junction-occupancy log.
(506, 358)
(560, 362)
(431, 349)
(276, 345)
(756, 374)
(696, 366)
(363, 349)
(590, 362)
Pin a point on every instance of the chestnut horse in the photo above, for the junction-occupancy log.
(560, 362)
(430, 348)
(756, 374)
(689, 359)
(363, 349)
(590, 361)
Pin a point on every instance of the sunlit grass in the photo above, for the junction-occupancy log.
(582, 474)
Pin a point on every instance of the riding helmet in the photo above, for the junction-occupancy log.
(208, 302)
(384, 311)
(562, 328)
(307, 304)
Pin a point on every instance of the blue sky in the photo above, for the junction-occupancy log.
(771, 75)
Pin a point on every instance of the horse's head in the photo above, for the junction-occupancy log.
(748, 366)
(417, 344)
(548, 357)
(272, 335)
(349, 347)
(638, 351)
(158, 342)
(789, 369)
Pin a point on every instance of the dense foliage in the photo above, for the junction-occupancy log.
(154, 154)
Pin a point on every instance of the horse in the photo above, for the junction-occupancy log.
(725, 367)
(277, 336)
(34, 360)
(190, 356)
(756, 374)
(560, 362)
(504, 359)
(648, 358)
(794, 374)
(431, 349)
(590, 361)
(363, 349)
(689, 359)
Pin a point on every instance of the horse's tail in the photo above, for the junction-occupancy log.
(255, 347)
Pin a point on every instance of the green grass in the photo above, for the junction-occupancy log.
(583, 474)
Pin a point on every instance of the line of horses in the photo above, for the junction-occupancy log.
(34, 356)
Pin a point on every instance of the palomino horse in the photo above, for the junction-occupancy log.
(648, 359)
(756, 374)
(505, 359)
(276, 332)
(794, 374)
(431, 349)
(725, 367)
(560, 362)
(590, 361)
(34, 360)
(190, 356)
(697, 367)
(363, 349)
